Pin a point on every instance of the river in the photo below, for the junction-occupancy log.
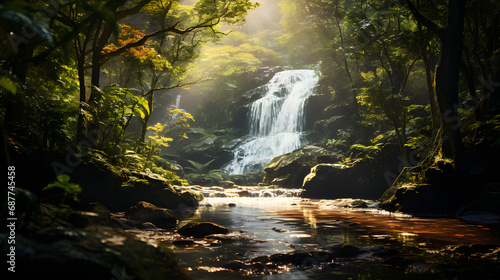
(275, 220)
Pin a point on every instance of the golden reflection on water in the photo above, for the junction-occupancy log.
(408, 239)
(309, 217)
(408, 230)
(372, 222)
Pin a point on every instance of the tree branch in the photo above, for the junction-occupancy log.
(143, 40)
(134, 10)
(425, 21)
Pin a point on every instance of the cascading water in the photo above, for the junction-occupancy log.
(276, 121)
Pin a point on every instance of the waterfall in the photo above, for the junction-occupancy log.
(177, 101)
(276, 121)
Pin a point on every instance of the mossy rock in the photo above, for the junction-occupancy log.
(289, 170)
(193, 197)
(65, 250)
(202, 229)
(147, 212)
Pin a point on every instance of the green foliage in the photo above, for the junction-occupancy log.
(361, 151)
(485, 132)
(115, 112)
(122, 165)
(201, 175)
(71, 191)
(8, 83)
(199, 168)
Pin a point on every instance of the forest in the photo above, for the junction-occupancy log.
(141, 110)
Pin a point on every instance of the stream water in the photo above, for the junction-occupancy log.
(266, 221)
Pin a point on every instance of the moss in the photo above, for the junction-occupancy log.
(101, 160)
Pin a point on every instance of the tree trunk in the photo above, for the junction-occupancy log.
(430, 89)
(447, 79)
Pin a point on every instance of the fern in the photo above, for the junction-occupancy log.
(199, 168)
(362, 151)
(200, 174)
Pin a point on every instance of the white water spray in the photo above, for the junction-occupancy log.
(276, 121)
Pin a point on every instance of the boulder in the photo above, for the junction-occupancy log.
(443, 192)
(91, 252)
(327, 178)
(289, 170)
(337, 181)
(340, 181)
(421, 199)
(147, 212)
(116, 189)
(203, 229)
(367, 179)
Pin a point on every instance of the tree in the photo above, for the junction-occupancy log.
(94, 26)
(447, 75)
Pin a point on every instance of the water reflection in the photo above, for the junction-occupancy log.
(309, 217)
(268, 225)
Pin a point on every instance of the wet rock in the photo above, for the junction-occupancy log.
(219, 189)
(235, 265)
(322, 255)
(94, 252)
(192, 197)
(345, 251)
(100, 209)
(279, 230)
(355, 203)
(333, 180)
(220, 195)
(244, 194)
(359, 204)
(232, 205)
(289, 170)
(228, 238)
(199, 230)
(226, 184)
(145, 211)
(295, 258)
(222, 238)
(366, 180)
(422, 199)
(183, 242)
(442, 193)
